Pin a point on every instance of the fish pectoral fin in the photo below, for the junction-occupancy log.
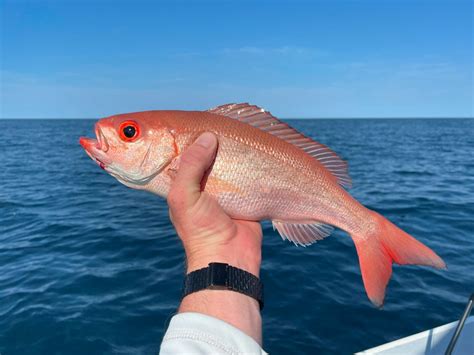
(173, 166)
(302, 233)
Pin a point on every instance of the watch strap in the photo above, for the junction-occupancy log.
(221, 276)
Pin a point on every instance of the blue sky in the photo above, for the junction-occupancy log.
(381, 58)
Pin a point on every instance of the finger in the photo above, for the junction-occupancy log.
(193, 165)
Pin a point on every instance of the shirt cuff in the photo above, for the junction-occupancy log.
(196, 333)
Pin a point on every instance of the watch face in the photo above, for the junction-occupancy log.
(218, 275)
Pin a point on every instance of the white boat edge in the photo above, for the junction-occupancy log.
(432, 341)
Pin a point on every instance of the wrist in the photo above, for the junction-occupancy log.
(226, 293)
(245, 261)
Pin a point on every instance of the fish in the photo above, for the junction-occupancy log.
(263, 170)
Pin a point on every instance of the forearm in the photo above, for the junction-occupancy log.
(239, 310)
(232, 307)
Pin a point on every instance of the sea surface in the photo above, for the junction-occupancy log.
(88, 266)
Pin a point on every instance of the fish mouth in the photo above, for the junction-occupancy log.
(96, 148)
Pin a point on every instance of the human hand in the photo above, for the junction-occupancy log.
(207, 232)
(210, 235)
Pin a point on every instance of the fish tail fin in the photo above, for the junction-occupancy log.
(383, 245)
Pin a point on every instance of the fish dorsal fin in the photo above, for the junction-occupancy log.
(258, 117)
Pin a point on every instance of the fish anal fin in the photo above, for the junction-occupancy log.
(302, 233)
(264, 120)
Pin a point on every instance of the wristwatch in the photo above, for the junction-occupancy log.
(221, 276)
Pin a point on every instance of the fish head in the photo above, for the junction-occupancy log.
(131, 148)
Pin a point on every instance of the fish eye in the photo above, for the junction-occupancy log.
(129, 131)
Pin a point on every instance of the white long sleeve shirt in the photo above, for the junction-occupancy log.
(196, 333)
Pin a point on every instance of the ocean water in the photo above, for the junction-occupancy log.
(88, 266)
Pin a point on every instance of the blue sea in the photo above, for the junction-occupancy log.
(88, 266)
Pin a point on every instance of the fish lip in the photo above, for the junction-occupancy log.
(102, 141)
(93, 148)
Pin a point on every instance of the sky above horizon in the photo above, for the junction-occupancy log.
(298, 59)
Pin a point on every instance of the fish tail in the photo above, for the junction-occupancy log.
(383, 245)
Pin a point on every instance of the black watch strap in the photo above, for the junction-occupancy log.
(220, 276)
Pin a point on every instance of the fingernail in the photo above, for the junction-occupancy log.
(206, 140)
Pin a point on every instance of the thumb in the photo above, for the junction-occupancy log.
(195, 161)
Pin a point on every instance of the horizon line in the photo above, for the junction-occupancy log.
(283, 118)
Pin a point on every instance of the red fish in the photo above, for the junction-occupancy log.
(264, 169)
